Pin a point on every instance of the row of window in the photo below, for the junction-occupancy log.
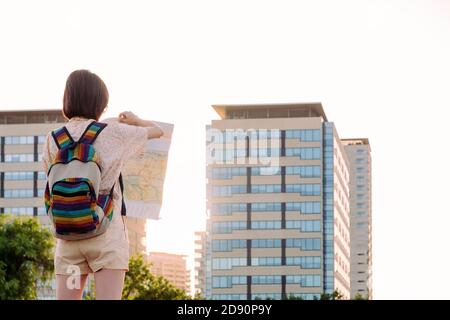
(302, 225)
(305, 244)
(230, 172)
(232, 135)
(305, 189)
(313, 153)
(22, 193)
(23, 175)
(24, 211)
(226, 209)
(265, 296)
(226, 263)
(23, 139)
(304, 135)
(308, 280)
(21, 157)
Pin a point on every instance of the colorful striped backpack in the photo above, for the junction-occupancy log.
(74, 204)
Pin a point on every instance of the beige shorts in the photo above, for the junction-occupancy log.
(107, 251)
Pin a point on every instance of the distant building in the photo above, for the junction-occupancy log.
(172, 267)
(200, 268)
(359, 156)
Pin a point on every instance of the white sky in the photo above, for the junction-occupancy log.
(380, 68)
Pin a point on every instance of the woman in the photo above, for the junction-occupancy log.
(85, 100)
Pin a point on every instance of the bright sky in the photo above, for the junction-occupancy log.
(380, 68)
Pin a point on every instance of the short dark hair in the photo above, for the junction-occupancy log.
(85, 95)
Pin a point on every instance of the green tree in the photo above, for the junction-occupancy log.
(26, 256)
(336, 295)
(141, 284)
(359, 296)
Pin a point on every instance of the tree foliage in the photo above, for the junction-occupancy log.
(141, 284)
(26, 256)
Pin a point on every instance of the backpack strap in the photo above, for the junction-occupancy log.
(123, 207)
(91, 133)
(62, 137)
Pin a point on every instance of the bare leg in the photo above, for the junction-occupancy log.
(70, 287)
(109, 284)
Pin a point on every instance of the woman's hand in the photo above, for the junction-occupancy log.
(130, 118)
(153, 130)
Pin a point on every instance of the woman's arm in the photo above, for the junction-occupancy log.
(153, 130)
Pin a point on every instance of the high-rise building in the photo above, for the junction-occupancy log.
(278, 204)
(359, 155)
(22, 176)
(172, 267)
(199, 262)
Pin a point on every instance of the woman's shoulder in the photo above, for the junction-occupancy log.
(115, 127)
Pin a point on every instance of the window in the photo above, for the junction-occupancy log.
(228, 191)
(307, 207)
(266, 261)
(304, 153)
(19, 140)
(228, 263)
(266, 280)
(266, 243)
(304, 244)
(266, 206)
(265, 171)
(20, 175)
(228, 245)
(19, 211)
(226, 209)
(304, 189)
(228, 281)
(304, 135)
(304, 262)
(304, 171)
(360, 213)
(228, 226)
(18, 193)
(229, 296)
(228, 173)
(304, 225)
(361, 225)
(266, 188)
(304, 280)
(264, 225)
(19, 157)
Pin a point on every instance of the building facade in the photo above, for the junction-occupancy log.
(22, 176)
(359, 155)
(199, 263)
(172, 267)
(278, 206)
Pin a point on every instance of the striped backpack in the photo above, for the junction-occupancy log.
(73, 202)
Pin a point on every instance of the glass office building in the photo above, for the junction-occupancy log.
(278, 205)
